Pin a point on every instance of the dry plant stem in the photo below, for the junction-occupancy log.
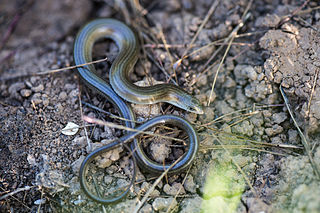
(16, 191)
(224, 42)
(121, 6)
(243, 139)
(241, 110)
(305, 23)
(7, 57)
(312, 91)
(137, 6)
(245, 16)
(41, 197)
(180, 188)
(165, 46)
(217, 72)
(307, 11)
(162, 69)
(167, 49)
(53, 71)
(144, 199)
(232, 35)
(286, 18)
(117, 126)
(108, 113)
(243, 117)
(305, 143)
(211, 10)
(240, 147)
(81, 114)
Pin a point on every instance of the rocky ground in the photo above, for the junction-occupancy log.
(251, 157)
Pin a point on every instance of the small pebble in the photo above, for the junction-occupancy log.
(63, 96)
(174, 189)
(212, 96)
(270, 20)
(192, 205)
(189, 184)
(80, 141)
(79, 202)
(257, 205)
(160, 150)
(191, 117)
(38, 88)
(244, 128)
(162, 204)
(107, 179)
(293, 136)
(315, 109)
(36, 99)
(276, 129)
(147, 208)
(14, 88)
(25, 93)
(202, 81)
(40, 201)
(278, 118)
(76, 165)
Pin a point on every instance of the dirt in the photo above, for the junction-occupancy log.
(251, 156)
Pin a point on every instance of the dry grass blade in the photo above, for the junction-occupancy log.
(144, 199)
(54, 71)
(117, 126)
(240, 147)
(108, 113)
(231, 37)
(167, 49)
(312, 91)
(16, 191)
(305, 143)
(217, 72)
(254, 109)
(180, 188)
(246, 143)
(161, 68)
(286, 18)
(81, 114)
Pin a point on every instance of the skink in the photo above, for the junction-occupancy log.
(119, 74)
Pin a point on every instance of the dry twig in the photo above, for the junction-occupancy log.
(305, 143)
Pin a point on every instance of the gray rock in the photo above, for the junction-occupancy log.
(270, 21)
(160, 150)
(36, 99)
(63, 96)
(80, 141)
(25, 93)
(16, 87)
(276, 129)
(278, 118)
(244, 128)
(257, 205)
(162, 204)
(147, 208)
(189, 184)
(174, 189)
(191, 205)
(38, 88)
(76, 164)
